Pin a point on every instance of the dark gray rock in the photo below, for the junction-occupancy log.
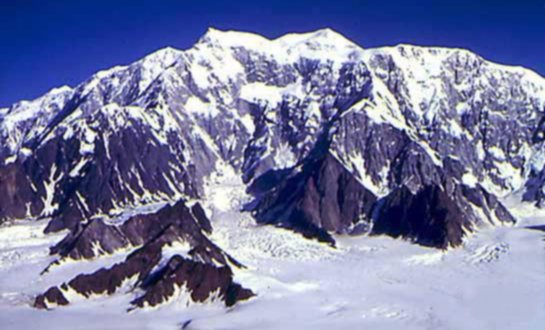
(320, 198)
(52, 296)
(204, 270)
(430, 217)
(200, 279)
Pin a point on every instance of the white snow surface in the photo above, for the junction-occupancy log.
(495, 281)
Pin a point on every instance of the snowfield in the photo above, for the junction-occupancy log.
(495, 281)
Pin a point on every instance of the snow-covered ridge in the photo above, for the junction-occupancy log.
(323, 37)
(325, 44)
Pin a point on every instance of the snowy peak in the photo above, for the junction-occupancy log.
(61, 89)
(51, 96)
(318, 44)
(233, 38)
(230, 38)
(24, 119)
(438, 60)
(326, 38)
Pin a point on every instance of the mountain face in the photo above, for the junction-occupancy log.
(413, 142)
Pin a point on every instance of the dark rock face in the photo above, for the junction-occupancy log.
(118, 174)
(109, 280)
(436, 216)
(205, 269)
(15, 191)
(177, 220)
(200, 279)
(322, 197)
(534, 187)
(494, 211)
(52, 296)
(429, 217)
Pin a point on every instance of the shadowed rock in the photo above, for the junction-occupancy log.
(323, 197)
(186, 225)
(199, 279)
(204, 269)
(539, 227)
(436, 216)
(429, 217)
(53, 296)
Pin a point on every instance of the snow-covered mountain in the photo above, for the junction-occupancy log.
(327, 137)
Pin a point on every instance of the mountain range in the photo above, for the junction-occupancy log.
(328, 138)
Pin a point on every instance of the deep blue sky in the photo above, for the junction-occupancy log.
(44, 44)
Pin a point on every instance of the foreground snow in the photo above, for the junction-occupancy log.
(495, 281)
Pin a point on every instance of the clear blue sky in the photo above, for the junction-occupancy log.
(44, 44)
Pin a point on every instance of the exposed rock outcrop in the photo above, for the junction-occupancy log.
(203, 270)
(320, 197)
